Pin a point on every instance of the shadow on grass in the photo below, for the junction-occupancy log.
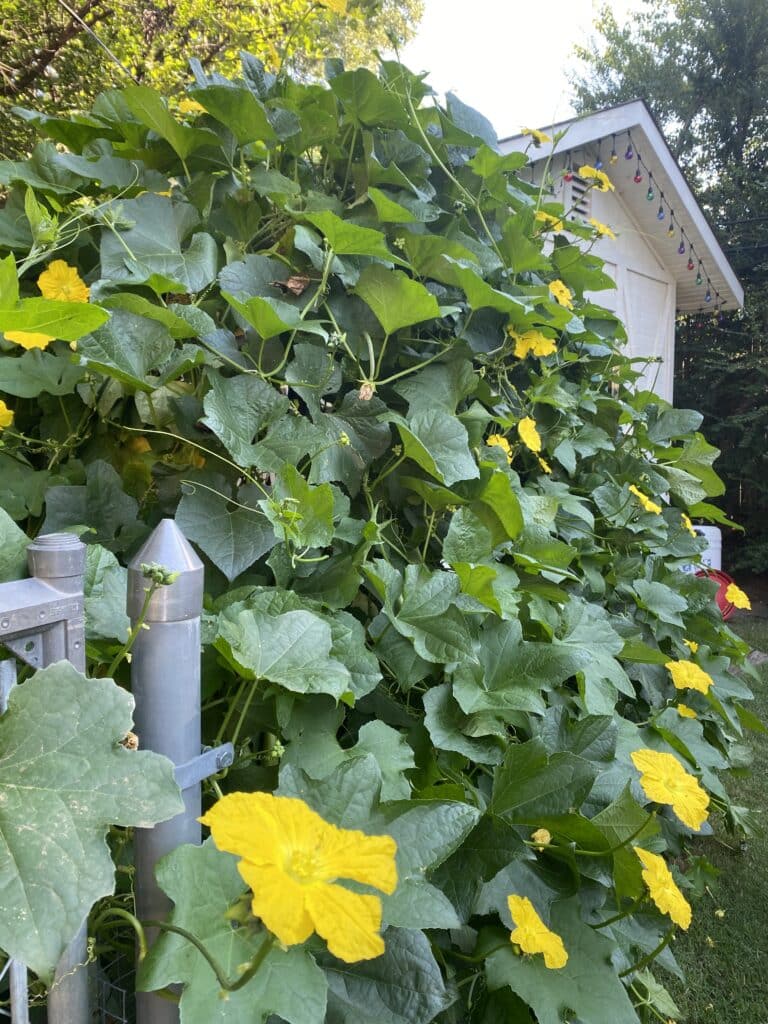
(725, 952)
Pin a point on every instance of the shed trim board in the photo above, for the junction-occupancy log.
(586, 136)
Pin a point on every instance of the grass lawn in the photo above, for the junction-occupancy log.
(725, 957)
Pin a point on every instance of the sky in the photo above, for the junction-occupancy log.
(506, 58)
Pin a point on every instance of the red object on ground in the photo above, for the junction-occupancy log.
(723, 581)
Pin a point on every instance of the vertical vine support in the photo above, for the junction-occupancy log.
(165, 675)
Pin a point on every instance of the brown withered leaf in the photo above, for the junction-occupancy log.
(295, 284)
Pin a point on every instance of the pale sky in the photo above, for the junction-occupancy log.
(506, 58)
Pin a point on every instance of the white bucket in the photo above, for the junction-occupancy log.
(712, 555)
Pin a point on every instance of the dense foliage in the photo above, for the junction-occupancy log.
(332, 331)
(702, 67)
(58, 56)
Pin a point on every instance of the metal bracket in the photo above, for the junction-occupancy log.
(212, 760)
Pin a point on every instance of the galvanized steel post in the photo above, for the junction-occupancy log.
(58, 560)
(165, 675)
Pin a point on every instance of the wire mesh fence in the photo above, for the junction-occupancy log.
(115, 1000)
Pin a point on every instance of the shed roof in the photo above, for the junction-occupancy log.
(593, 133)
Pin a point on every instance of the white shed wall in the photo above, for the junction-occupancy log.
(645, 293)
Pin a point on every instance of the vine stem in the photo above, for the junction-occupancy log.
(224, 982)
(651, 956)
(134, 631)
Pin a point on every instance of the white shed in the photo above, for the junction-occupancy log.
(665, 258)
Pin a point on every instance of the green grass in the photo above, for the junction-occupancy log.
(725, 958)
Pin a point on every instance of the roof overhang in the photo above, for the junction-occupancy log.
(592, 133)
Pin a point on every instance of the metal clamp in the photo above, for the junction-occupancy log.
(212, 760)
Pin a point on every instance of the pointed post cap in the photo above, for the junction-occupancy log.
(166, 548)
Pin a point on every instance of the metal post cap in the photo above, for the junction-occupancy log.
(175, 602)
(56, 556)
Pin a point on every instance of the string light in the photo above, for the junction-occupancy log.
(599, 159)
(681, 247)
(650, 194)
(614, 155)
(568, 176)
(629, 151)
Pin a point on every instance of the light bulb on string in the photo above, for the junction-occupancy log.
(614, 155)
(671, 228)
(690, 257)
(660, 212)
(699, 278)
(650, 194)
(630, 152)
(638, 173)
(708, 294)
(568, 176)
(598, 158)
(681, 247)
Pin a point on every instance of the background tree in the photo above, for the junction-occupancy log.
(56, 55)
(702, 67)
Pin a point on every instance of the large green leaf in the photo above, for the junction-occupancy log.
(127, 348)
(239, 110)
(350, 239)
(36, 372)
(366, 100)
(105, 588)
(239, 408)
(101, 504)
(588, 985)
(292, 649)
(232, 536)
(13, 549)
(66, 320)
(150, 108)
(404, 986)
(439, 443)
(144, 246)
(531, 784)
(64, 778)
(396, 299)
(203, 884)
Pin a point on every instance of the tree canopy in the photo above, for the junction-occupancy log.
(702, 67)
(58, 55)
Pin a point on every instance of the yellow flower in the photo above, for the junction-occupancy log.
(6, 415)
(691, 645)
(600, 178)
(187, 106)
(544, 464)
(688, 675)
(645, 501)
(497, 441)
(685, 712)
(537, 136)
(337, 6)
(602, 229)
(665, 780)
(548, 218)
(541, 837)
(291, 860)
(60, 281)
(529, 435)
(688, 524)
(561, 293)
(532, 343)
(663, 888)
(737, 597)
(29, 339)
(532, 935)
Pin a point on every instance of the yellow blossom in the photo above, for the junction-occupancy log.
(188, 106)
(537, 136)
(688, 675)
(29, 339)
(497, 441)
(544, 464)
(549, 219)
(663, 888)
(62, 282)
(685, 712)
(6, 415)
(529, 435)
(602, 182)
(720, 914)
(561, 293)
(665, 780)
(691, 645)
(688, 524)
(645, 501)
(532, 343)
(541, 837)
(737, 597)
(602, 229)
(532, 935)
(292, 860)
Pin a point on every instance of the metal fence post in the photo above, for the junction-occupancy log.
(58, 559)
(165, 675)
